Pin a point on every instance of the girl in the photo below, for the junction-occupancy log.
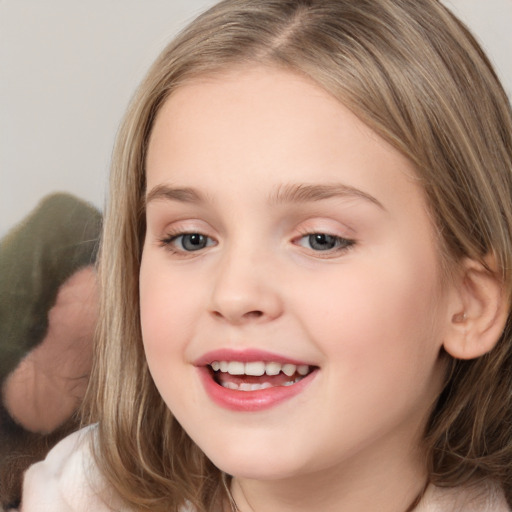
(305, 273)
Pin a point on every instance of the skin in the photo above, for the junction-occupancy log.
(371, 315)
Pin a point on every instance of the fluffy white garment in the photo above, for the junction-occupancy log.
(68, 480)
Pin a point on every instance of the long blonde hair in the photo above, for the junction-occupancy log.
(413, 73)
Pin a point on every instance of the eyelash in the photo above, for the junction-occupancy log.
(170, 238)
(341, 244)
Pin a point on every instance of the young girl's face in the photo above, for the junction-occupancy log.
(285, 237)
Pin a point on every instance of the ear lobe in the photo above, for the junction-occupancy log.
(480, 315)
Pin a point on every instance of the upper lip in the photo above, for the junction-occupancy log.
(246, 356)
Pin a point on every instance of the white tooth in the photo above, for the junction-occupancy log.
(256, 368)
(230, 385)
(236, 368)
(272, 368)
(289, 383)
(215, 366)
(303, 369)
(245, 386)
(223, 366)
(289, 369)
(264, 385)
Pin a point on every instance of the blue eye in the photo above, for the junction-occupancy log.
(189, 242)
(193, 241)
(324, 242)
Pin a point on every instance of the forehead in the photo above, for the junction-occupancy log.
(263, 116)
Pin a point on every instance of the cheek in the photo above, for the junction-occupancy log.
(373, 317)
(165, 312)
(167, 324)
(380, 346)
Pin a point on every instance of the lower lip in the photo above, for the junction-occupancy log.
(247, 401)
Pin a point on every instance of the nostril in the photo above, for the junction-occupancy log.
(249, 315)
(253, 314)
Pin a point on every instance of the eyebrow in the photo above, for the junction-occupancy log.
(287, 193)
(184, 195)
(303, 193)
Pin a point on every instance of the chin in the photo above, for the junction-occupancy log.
(263, 465)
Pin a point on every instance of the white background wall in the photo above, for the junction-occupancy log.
(68, 69)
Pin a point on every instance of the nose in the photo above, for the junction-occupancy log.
(245, 290)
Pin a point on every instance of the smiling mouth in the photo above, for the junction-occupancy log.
(257, 375)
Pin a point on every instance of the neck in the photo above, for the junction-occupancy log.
(389, 479)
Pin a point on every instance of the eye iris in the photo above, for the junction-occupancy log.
(322, 242)
(194, 242)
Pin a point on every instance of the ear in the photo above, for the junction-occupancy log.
(478, 312)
